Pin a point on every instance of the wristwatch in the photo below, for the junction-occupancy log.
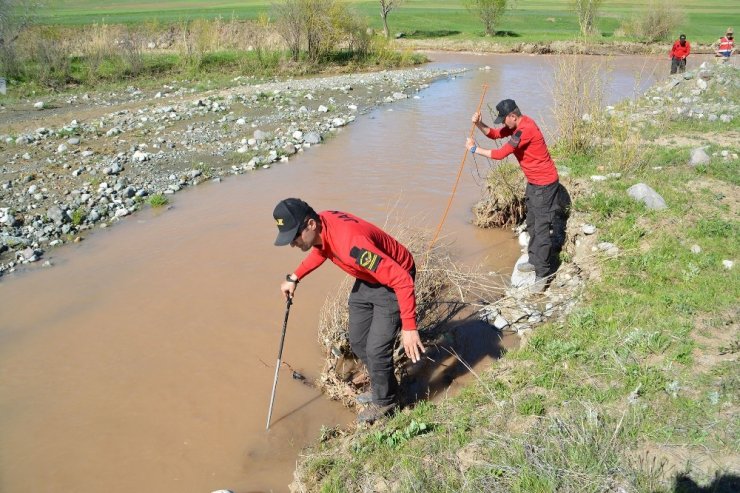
(473, 149)
(290, 279)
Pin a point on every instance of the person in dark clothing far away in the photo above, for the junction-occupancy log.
(382, 299)
(679, 53)
(546, 199)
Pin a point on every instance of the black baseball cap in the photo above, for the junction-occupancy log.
(289, 215)
(683, 36)
(505, 107)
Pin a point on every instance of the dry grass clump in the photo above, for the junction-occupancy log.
(502, 204)
(442, 290)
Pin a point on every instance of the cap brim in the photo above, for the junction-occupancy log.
(499, 119)
(285, 237)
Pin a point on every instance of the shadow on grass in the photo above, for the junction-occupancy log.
(440, 33)
(725, 483)
(466, 342)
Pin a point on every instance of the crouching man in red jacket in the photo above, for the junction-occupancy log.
(382, 299)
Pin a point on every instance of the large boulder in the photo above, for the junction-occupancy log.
(643, 193)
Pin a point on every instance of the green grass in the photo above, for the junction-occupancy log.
(526, 21)
(158, 200)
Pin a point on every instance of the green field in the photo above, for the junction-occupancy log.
(527, 20)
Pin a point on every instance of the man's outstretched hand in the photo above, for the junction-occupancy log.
(412, 344)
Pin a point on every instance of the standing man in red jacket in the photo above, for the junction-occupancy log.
(382, 298)
(680, 51)
(547, 201)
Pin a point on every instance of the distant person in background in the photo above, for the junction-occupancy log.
(679, 53)
(726, 44)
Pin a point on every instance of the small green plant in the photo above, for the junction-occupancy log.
(205, 170)
(532, 405)
(78, 216)
(394, 438)
(158, 200)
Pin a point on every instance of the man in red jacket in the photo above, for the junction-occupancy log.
(382, 298)
(680, 51)
(547, 201)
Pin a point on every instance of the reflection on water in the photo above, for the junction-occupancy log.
(143, 358)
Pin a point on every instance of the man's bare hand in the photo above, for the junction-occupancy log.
(469, 143)
(287, 288)
(476, 117)
(412, 344)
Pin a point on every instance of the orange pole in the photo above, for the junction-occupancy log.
(459, 173)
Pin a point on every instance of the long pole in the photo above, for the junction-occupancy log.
(459, 172)
(279, 358)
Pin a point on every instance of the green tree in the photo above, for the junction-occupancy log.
(488, 11)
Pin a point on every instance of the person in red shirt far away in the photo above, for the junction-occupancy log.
(382, 299)
(547, 201)
(679, 53)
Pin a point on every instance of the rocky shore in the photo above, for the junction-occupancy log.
(90, 160)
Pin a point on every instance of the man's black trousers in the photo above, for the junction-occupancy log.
(547, 212)
(678, 65)
(374, 322)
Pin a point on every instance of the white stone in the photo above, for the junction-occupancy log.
(297, 135)
(728, 264)
(39, 106)
(588, 229)
(323, 109)
(598, 178)
(61, 148)
(695, 249)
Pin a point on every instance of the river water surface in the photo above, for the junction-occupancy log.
(143, 360)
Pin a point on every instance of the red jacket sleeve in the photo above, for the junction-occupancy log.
(309, 264)
(389, 273)
(499, 133)
(673, 49)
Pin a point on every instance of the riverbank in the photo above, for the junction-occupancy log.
(636, 388)
(89, 160)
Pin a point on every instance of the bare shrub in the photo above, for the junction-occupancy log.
(578, 96)
(502, 204)
(130, 46)
(289, 23)
(198, 37)
(50, 54)
(656, 22)
(587, 10)
(442, 289)
(386, 7)
(16, 16)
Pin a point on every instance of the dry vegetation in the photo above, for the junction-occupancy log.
(443, 290)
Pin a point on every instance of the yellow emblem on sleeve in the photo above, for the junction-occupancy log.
(369, 260)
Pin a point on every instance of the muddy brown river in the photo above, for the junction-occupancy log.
(143, 359)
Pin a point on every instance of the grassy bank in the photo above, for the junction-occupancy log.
(542, 20)
(636, 390)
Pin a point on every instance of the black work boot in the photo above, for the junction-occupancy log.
(365, 397)
(375, 412)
